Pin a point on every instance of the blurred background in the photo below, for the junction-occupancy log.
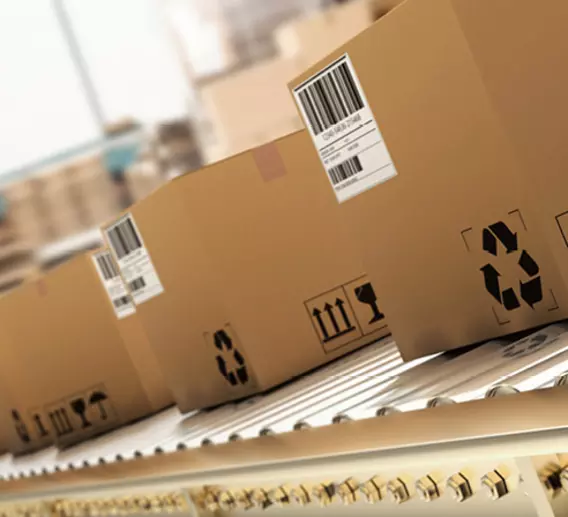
(102, 101)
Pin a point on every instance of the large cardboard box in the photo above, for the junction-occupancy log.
(529, 62)
(429, 176)
(245, 275)
(73, 368)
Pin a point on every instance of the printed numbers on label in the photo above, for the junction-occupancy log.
(344, 130)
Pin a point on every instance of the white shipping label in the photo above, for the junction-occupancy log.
(344, 130)
(133, 259)
(114, 285)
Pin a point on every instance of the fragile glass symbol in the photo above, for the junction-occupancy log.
(366, 294)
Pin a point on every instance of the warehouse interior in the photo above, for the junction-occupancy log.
(118, 97)
(303, 257)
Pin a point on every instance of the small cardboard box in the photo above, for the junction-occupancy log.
(425, 169)
(245, 275)
(73, 367)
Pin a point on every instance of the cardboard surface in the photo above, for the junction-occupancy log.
(259, 278)
(70, 364)
(529, 62)
(451, 237)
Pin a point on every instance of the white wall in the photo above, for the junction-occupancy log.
(132, 63)
(43, 109)
(42, 106)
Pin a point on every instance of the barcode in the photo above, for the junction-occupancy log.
(345, 170)
(121, 302)
(137, 284)
(331, 98)
(107, 266)
(124, 238)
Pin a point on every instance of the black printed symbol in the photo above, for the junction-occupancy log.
(531, 290)
(42, 431)
(366, 294)
(333, 321)
(21, 428)
(60, 421)
(79, 407)
(98, 398)
(238, 374)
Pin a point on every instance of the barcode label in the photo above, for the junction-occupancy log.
(133, 259)
(114, 285)
(107, 266)
(331, 99)
(124, 238)
(121, 302)
(344, 130)
(137, 284)
(345, 170)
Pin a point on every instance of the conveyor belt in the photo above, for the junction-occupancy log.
(367, 410)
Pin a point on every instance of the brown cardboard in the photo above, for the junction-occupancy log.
(529, 62)
(249, 252)
(430, 236)
(66, 345)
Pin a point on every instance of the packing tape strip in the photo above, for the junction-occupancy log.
(269, 162)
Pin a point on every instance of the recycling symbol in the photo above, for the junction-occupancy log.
(530, 291)
(230, 361)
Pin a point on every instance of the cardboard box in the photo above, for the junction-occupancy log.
(529, 61)
(429, 177)
(9, 423)
(251, 106)
(74, 369)
(244, 274)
